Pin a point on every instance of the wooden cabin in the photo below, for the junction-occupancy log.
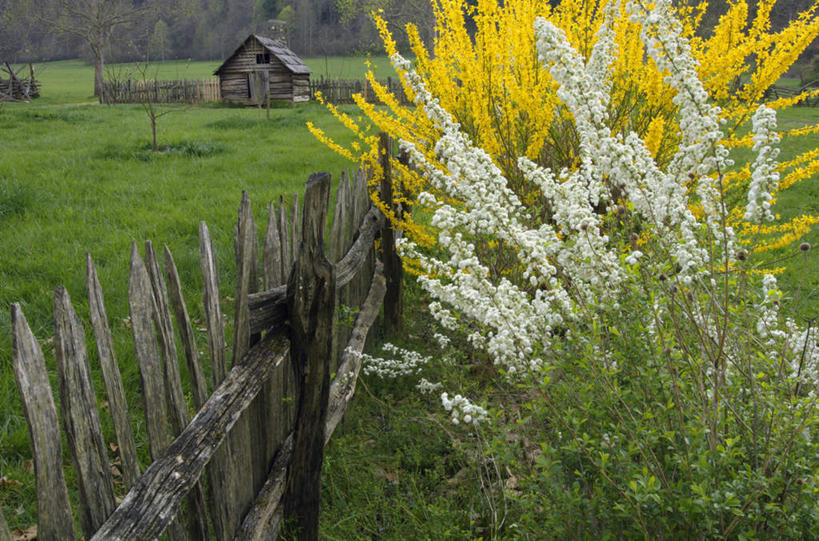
(261, 66)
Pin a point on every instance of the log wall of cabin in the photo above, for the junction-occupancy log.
(283, 84)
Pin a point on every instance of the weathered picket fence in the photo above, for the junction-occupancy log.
(155, 91)
(258, 437)
(341, 91)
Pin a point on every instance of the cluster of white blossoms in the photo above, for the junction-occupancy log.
(764, 178)
(404, 362)
(462, 410)
(569, 266)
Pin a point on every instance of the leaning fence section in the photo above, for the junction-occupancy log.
(156, 91)
(342, 91)
(270, 405)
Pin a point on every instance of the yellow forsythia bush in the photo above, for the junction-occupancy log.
(492, 83)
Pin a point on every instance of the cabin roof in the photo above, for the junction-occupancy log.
(278, 49)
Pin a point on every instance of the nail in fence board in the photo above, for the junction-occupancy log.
(54, 520)
(311, 295)
(111, 377)
(81, 422)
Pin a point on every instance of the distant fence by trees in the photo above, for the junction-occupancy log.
(156, 91)
(253, 450)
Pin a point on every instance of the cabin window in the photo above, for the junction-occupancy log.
(263, 58)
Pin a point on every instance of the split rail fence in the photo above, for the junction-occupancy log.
(253, 449)
(155, 91)
(17, 88)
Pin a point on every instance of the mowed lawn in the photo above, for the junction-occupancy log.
(78, 177)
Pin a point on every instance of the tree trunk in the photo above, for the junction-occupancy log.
(99, 67)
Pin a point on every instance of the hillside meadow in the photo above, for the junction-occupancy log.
(76, 176)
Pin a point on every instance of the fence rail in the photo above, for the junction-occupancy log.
(156, 91)
(255, 442)
(810, 93)
(17, 88)
(341, 91)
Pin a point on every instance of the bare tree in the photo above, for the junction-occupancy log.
(94, 21)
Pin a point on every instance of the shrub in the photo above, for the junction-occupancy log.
(670, 392)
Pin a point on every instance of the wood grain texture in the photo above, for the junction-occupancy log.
(262, 521)
(140, 298)
(393, 269)
(219, 480)
(213, 310)
(118, 406)
(150, 506)
(78, 408)
(54, 518)
(311, 298)
(284, 240)
(350, 265)
(271, 253)
(199, 386)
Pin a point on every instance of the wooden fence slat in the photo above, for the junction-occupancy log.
(220, 481)
(197, 509)
(199, 386)
(81, 422)
(393, 269)
(271, 253)
(251, 432)
(167, 344)
(118, 406)
(295, 230)
(54, 519)
(143, 308)
(339, 225)
(311, 298)
(160, 489)
(196, 517)
(213, 310)
(140, 298)
(287, 261)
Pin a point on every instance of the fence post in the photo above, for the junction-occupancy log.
(393, 270)
(311, 302)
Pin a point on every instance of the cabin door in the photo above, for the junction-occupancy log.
(259, 83)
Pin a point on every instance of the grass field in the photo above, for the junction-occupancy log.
(76, 176)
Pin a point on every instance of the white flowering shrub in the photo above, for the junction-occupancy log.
(400, 362)
(634, 313)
